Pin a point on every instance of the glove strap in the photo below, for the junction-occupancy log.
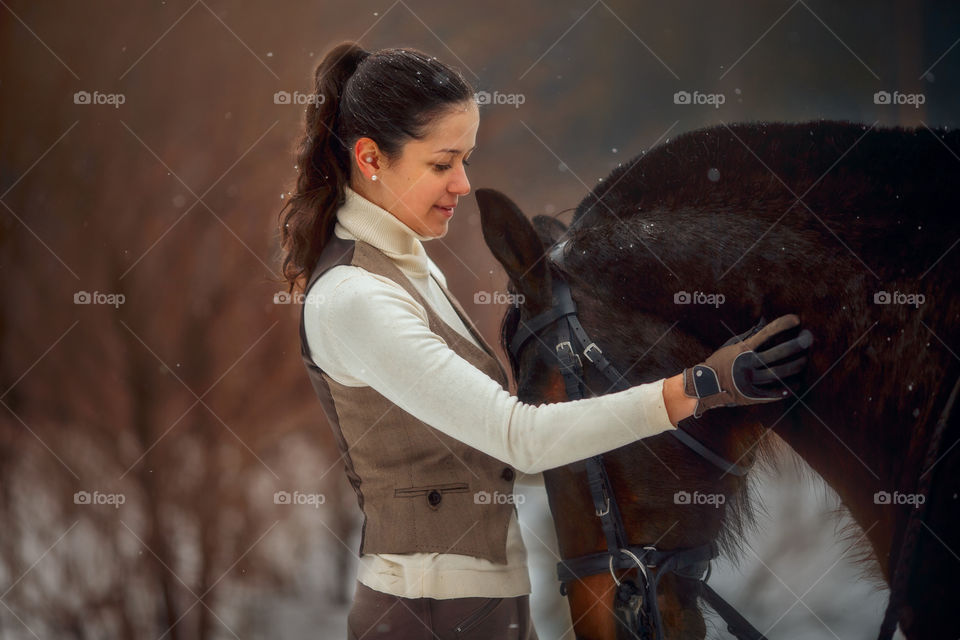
(701, 382)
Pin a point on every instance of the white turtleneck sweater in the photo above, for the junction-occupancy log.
(365, 330)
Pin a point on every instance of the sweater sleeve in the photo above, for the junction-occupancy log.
(364, 330)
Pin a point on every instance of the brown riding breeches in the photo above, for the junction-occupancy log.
(376, 616)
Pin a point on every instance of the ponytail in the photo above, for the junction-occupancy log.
(323, 164)
(354, 90)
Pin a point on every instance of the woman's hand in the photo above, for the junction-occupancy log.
(737, 375)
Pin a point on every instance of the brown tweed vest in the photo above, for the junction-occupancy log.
(420, 490)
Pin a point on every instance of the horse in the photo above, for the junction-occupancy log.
(852, 227)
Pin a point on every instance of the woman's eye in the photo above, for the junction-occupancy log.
(440, 168)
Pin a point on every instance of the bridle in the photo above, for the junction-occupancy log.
(635, 604)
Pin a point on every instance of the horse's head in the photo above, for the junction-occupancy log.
(669, 496)
(519, 248)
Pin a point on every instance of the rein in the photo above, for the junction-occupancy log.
(635, 604)
(903, 571)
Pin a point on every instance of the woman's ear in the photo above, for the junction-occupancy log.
(367, 156)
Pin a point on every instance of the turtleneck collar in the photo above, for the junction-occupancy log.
(361, 219)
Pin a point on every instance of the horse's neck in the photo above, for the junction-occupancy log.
(856, 471)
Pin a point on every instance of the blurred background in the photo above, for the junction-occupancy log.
(154, 400)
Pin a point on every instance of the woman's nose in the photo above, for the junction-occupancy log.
(460, 185)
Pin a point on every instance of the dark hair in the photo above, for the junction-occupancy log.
(390, 96)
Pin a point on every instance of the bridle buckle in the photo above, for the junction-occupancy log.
(567, 348)
(650, 547)
(586, 352)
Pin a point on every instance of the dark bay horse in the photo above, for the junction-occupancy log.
(851, 227)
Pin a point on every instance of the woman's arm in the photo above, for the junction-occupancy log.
(679, 405)
(368, 331)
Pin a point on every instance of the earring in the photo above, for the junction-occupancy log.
(373, 177)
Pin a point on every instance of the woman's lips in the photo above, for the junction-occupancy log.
(447, 211)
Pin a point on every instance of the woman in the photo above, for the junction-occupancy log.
(430, 439)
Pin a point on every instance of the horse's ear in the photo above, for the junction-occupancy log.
(549, 229)
(515, 244)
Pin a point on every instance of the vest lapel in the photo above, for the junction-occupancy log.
(466, 320)
(366, 252)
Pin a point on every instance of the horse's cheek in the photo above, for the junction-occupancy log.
(554, 389)
(680, 621)
(591, 605)
(544, 387)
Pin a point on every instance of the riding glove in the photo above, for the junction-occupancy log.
(737, 375)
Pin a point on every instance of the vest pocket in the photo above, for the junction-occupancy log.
(477, 617)
(433, 492)
(450, 487)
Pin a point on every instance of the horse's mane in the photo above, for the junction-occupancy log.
(712, 167)
(732, 184)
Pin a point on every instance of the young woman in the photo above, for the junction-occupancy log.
(431, 440)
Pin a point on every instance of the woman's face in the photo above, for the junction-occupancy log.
(422, 185)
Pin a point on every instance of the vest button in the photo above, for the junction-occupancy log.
(434, 498)
(508, 474)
